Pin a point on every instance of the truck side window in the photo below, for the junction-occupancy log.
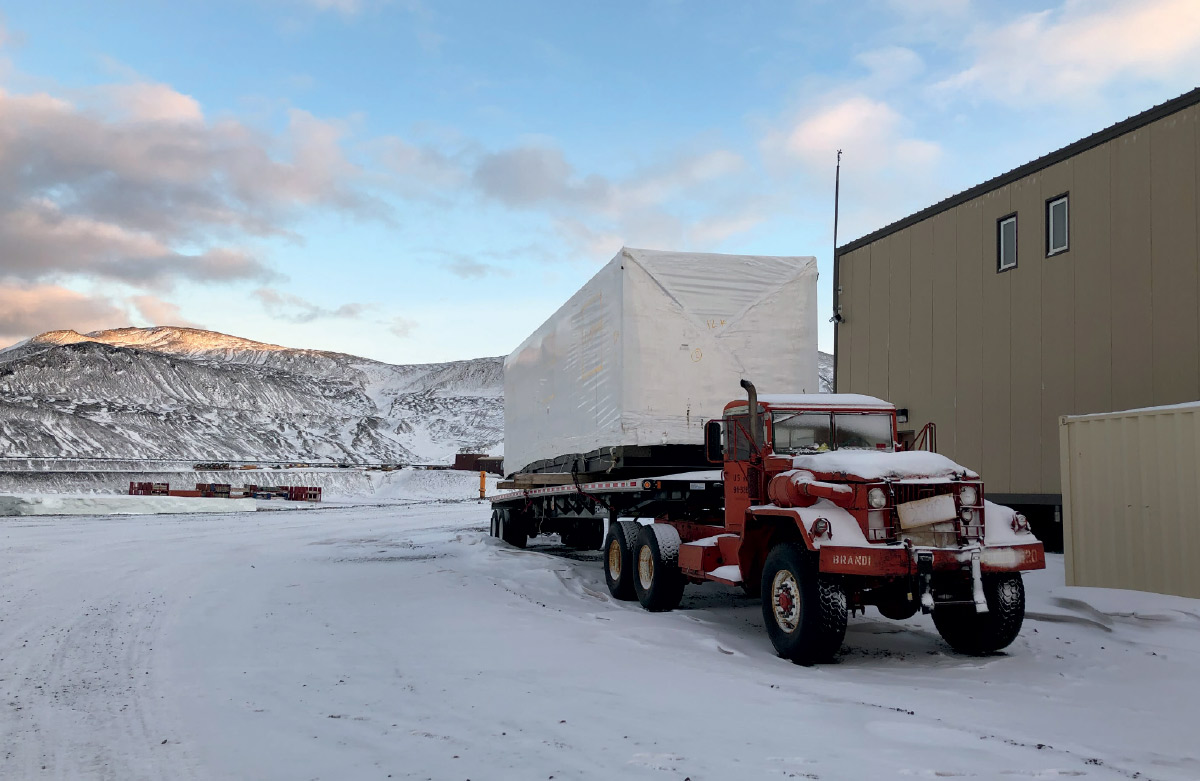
(737, 440)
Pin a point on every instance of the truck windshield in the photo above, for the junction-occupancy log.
(812, 432)
(801, 432)
(867, 431)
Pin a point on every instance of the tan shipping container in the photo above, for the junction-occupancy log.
(1130, 503)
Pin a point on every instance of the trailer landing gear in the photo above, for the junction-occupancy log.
(805, 612)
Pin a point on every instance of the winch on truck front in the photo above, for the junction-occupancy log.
(819, 512)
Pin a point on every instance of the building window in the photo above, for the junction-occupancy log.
(1006, 243)
(1056, 225)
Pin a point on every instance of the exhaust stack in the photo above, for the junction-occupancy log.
(756, 430)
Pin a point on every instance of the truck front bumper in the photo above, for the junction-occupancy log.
(899, 560)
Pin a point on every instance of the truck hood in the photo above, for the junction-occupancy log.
(869, 466)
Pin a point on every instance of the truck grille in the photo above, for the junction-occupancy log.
(907, 492)
(958, 532)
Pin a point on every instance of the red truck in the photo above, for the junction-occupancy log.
(814, 507)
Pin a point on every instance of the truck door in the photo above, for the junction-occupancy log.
(741, 478)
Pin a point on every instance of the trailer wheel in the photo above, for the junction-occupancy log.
(977, 634)
(494, 531)
(805, 612)
(618, 559)
(658, 582)
(512, 528)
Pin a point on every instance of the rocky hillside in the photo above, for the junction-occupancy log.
(192, 394)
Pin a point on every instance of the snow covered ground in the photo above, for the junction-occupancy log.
(398, 640)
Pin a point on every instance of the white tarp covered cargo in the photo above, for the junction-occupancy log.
(654, 345)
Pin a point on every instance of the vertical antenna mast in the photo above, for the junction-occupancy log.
(837, 187)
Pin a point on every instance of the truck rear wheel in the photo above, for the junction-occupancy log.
(512, 528)
(618, 559)
(659, 583)
(805, 612)
(977, 634)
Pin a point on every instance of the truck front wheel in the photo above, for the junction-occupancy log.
(659, 583)
(970, 632)
(618, 559)
(805, 612)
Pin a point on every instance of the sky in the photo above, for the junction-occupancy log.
(428, 180)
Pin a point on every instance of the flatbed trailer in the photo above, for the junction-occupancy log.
(816, 508)
(581, 510)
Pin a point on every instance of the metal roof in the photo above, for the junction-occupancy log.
(1186, 100)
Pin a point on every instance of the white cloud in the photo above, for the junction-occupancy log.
(680, 176)
(891, 65)
(143, 102)
(28, 310)
(401, 327)
(156, 311)
(471, 268)
(536, 175)
(1075, 51)
(713, 231)
(117, 191)
(419, 170)
(294, 309)
(657, 206)
(867, 130)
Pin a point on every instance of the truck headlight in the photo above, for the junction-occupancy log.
(968, 495)
(876, 498)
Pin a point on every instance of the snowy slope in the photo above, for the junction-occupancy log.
(192, 394)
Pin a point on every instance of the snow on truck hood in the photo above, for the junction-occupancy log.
(868, 465)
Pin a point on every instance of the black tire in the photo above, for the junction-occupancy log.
(978, 634)
(805, 612)
(618, 559)
(494, 531)
(658, 581)
(512, 529)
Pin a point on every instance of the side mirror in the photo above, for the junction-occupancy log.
(714, 451)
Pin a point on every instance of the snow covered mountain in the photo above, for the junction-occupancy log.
(825, 372)
(198, 395)
(185, 393)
